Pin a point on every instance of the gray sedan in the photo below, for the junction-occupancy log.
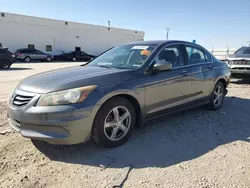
(116, 92)
(27, 55)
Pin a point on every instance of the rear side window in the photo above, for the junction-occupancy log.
(195, 55)
(26, 51)
(208, 57)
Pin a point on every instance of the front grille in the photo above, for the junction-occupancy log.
(241, 68)
(21, 100)
(239, 62)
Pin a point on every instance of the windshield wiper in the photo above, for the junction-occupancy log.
(105, 66)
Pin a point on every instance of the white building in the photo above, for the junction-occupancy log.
(47, 35)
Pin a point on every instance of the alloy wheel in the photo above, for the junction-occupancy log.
(117, 123)
(48, 58)
(218, 95)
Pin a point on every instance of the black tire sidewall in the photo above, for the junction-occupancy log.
(98, 134)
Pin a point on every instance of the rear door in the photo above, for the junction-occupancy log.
(200, 65)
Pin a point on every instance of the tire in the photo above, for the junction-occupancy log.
(102, 134)
(27, 59)
(213, 105)
(6, 64)
(48, 59)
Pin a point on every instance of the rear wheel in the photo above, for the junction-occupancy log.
(48, 59)
(114, 123)
(217, 96)
(27, 59)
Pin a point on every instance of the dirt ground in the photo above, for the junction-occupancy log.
(196, 148)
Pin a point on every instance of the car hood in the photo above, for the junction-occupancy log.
(73, 77)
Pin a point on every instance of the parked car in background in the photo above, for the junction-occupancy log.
(239, 62)
(57, 55)
(76, 56)
(27, 55)
(117, 91)
(6, 58)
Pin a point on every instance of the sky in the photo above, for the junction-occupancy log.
(212, 23)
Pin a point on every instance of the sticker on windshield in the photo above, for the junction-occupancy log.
(140, 47)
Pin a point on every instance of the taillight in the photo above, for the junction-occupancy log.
(19, 54)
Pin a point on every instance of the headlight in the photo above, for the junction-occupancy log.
(69, 96)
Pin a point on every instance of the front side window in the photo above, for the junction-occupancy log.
(170, 55)
(195, 55)
(129, 56)
(38, 52)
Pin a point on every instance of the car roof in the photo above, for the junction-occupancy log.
(245, 47)
(25, 49)
(159, 42)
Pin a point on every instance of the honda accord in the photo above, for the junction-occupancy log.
(105, 99)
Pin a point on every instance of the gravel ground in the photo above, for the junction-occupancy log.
(196, 148)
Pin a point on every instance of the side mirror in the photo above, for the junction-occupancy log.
(158, 67)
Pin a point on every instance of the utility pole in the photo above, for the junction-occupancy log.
(109, 25)
(167, 33)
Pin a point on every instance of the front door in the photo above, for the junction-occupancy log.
(169, 88)
(38, 55)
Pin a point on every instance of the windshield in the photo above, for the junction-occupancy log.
(129, 56)
(239, 51)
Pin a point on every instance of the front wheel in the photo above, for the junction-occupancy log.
(217, 96)
(6, 64)
(114, 123)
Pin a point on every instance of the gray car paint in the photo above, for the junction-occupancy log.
(33, 55)
(154, 93)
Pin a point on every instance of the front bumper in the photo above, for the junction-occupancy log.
(240, 71)
(66, 124)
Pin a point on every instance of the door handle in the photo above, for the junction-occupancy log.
(184, 72)
(211, 67)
